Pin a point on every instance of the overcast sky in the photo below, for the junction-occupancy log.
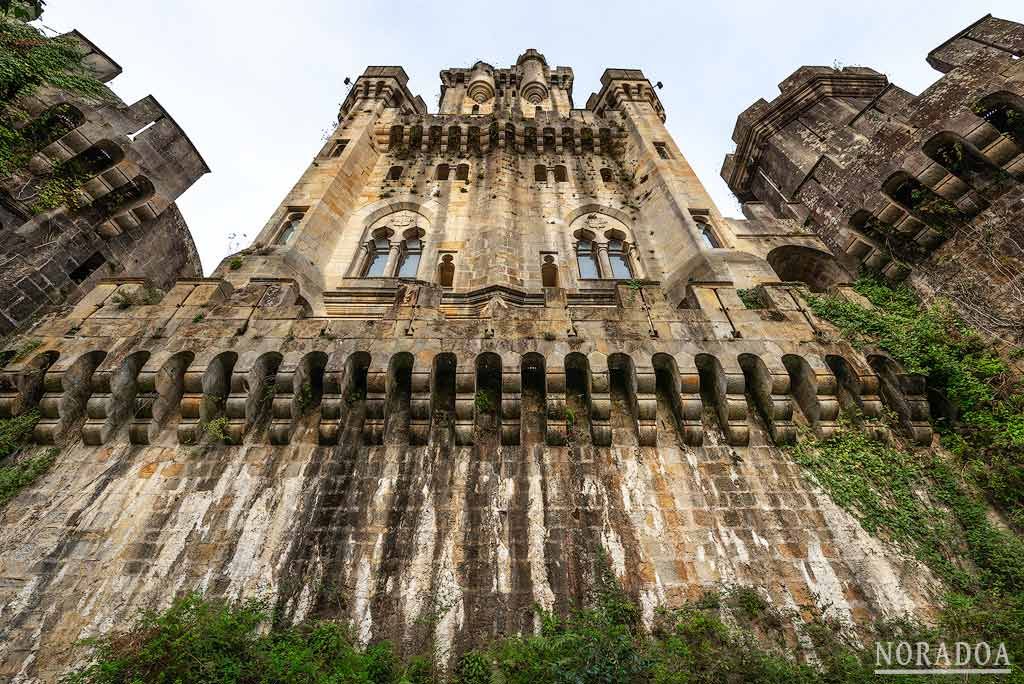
(256, 84)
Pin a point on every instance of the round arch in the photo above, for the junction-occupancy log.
(819, 270)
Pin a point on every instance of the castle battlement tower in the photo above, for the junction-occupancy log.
(469, 349)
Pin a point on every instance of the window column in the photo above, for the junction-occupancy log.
(394, 253)
(603, 260)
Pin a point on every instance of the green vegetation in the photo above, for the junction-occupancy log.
(751, 297)
(883, 487)
(135, 297)
(985, 428)
(484, 401)
(933, 503)
(355, 395)
(24, 349)
(235, 263)
(16, 474)
(216, 429)
(304, 398)
(28, 60)
(728, 635)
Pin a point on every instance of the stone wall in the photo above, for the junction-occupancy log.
(136, 161)
(366, 479)
(886, 177)
(424, 395)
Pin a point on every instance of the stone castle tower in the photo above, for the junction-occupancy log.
(127, 164)
(468, 350)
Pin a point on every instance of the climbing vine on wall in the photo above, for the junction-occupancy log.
(984, 424)
(30, 60)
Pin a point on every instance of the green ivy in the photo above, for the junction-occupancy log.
(483, 401)
(16, 474)
(987, 434)
(751, 297)
(29, 59)
(915, 500)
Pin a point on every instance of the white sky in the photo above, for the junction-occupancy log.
(256, 84)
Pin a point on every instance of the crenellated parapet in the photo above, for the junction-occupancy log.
(216, 370)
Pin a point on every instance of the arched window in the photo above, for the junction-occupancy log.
(412, 249)
(530, 139)
(476, 109)
(621, 269)
(708, 236)
(454, 138)
(377, 259)
(446, 271)
(587, 140)
(510, 137)
(395, 139)
(962, 159)
(605, 136)
(549, 139)
(549, 272)
(561, 175)
(442, 172)
(492, 136)
(394, 173)
(567, 139)
(288, 227)
(124, 198)
(587, 260)
(540, 173)
(51, 125)
(1004, 111)
(462, 172)
(416, 137)
(606, 175)
(434, 138)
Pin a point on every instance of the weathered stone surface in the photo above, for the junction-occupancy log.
(927, 185)
(128, 223)
(348, 431)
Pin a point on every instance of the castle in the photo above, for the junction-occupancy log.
(125, 165)
(472, 347)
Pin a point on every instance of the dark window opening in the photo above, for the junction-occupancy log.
(561, 175)
(462, 172)
(662, 150)
(395, 173)
(87, 268)
(337, 149)
(549, 272)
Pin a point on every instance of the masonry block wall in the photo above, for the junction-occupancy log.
(926, 186)
(131, 162)
(469, 349)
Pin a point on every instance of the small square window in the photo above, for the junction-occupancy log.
(337, 148)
